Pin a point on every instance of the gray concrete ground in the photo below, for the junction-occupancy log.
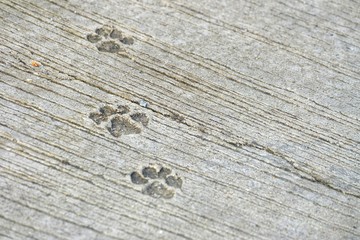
(156, 119)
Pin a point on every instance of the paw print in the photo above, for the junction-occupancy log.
(159, 182)
(108, 39)
(120, 121)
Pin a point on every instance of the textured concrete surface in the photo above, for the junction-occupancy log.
(179, 119)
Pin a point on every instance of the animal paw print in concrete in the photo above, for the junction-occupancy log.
(158, 182)
(120, 121)
(109, 39)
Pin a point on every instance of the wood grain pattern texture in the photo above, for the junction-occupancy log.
(159, 119)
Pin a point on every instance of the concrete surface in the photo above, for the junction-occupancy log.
(156, 119)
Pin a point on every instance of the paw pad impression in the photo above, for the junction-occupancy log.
(159, 182)
(109, 39)
(120, 121)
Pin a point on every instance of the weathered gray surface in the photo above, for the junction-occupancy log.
(255, 106)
